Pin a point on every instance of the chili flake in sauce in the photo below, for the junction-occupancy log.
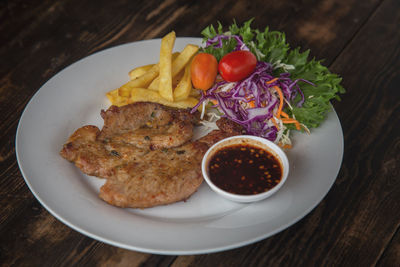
(244, 169)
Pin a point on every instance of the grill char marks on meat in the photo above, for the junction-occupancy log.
(227, 128)
(147, 125)
(154, 172)
(92, 156)
(162, 177)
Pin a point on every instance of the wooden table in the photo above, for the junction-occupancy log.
(356, 224)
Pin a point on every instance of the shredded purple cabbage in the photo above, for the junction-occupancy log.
(261, 94)
(217, 42)
(254, 89)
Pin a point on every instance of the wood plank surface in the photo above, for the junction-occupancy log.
(356, 224)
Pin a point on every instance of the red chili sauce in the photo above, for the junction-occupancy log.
(244, 169)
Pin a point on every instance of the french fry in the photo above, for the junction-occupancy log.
(145, 95)
(175, 55)
(165, 84)
(176, 79)
(178, 64)
(116, 99)
(154, 84)
(172, 71)
(184, 87)
(112, 96)
(184, 58)
(139, 71)
(141, 82)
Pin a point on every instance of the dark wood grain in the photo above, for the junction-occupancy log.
(391, 255)
(357, 223)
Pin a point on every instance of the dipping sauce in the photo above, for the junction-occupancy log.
(244, 169)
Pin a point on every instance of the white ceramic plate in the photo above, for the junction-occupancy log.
(204, 223)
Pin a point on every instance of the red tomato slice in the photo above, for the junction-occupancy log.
(237, 65)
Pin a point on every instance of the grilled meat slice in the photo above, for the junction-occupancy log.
(174, 134)
(147, 125)
(227, 128)
(98, 158)
(161, 177)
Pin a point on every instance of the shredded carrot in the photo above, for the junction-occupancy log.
(252, 104)
(287, 146)
(284, 114)
(278, 114)
(275, 123)
(284, 146)
(271, 81)
(284, 120)
(215, 102)
(298, 127)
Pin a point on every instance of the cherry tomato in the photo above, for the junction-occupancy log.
(203, 71)
(237, 65)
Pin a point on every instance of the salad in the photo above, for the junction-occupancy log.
(255, 79)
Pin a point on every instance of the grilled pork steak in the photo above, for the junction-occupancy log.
(147, 125)
(145, 153)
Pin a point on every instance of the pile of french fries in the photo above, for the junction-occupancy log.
(168, 82)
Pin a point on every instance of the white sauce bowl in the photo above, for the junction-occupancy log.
(246, 140)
